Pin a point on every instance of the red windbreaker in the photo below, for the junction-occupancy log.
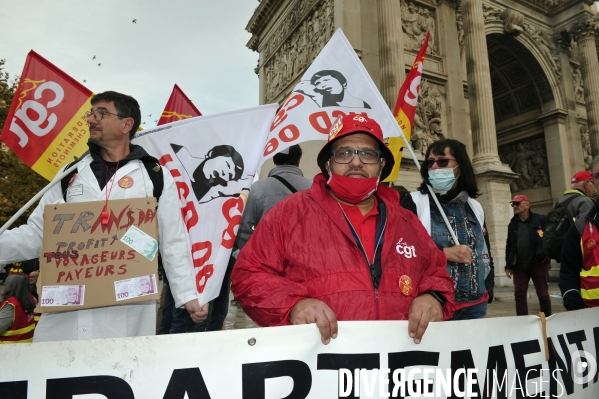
(303, 248)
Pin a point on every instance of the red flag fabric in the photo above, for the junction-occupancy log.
(405, 108)
(46, 125)
(178, 107)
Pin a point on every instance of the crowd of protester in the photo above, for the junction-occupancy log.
(343, 246)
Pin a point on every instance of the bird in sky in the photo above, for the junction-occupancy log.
(150, 115)
(134, 21)
(94, 57)
(156, 120)
(144, 123)
(84, 80)
(100, 64)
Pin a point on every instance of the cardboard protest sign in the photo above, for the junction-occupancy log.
(88, 264)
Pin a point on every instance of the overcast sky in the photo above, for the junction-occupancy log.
(197, 44)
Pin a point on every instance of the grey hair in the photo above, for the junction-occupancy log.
(595, 162)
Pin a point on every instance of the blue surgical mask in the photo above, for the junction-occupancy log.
(441, 179)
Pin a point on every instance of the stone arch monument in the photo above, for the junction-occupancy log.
(516, 80)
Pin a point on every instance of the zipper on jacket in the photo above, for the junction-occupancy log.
(376, 290)
(370, 265)
(376, 303)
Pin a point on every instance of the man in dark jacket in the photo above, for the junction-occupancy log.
(524, 255)
(580, 258)
(344, 249)
(283, 180)
(581, 192)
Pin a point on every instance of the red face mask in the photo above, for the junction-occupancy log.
(352, 190)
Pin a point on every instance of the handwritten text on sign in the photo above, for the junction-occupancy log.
(79, 249)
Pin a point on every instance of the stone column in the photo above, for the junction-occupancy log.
(492, 176)
(448, 43)
(584, 32)
(390, 49)
(480, 95)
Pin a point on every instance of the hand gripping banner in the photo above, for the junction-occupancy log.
(496, 358)
(46, 126)
(178, 107)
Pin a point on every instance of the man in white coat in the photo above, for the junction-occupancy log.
(114, 169)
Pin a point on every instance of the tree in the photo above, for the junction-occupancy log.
(18, 182)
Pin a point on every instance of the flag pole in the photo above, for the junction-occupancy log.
(21, 211)
(430, 190)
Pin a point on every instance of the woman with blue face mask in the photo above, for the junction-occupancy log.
(448, 170)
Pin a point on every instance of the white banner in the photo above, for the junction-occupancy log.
(500, 358)
(213, 160)
(335, 84)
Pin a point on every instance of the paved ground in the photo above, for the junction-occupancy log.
(504, 305)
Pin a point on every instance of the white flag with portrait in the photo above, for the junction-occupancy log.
(335, 84)
(213, 160)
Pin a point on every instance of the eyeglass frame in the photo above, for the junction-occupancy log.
(354, 152)
(595, 176)
(102, 111)
(516, 204)
(430, 162)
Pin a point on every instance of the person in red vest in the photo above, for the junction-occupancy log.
(17, 321)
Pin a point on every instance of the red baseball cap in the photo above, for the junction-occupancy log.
(583, 175)
(520, 198)
(356, 123)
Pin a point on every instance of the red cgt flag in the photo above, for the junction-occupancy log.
(178, 107)
(46, 125)
(405, 108)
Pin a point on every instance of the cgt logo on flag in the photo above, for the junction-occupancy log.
(336, 128)
(32, 107)
(39, 110)
(46, 125)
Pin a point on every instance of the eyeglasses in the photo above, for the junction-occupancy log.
(99, 114)
(344, 156)
(596, 175)
(442, 162)
(515, 204)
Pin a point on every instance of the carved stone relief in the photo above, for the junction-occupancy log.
(427, 120)
(298, 51)
(553, 7)
(491, 13)
(416, 21)
(545, 44)
(513, 21)
(573, 50)
(586, 147)
(578, 85)
(283, 29)
(528, 158)
(460, 26)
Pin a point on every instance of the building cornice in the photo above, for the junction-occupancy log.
(553, 7)
(260, 18)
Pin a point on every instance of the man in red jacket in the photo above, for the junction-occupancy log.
(344, 249)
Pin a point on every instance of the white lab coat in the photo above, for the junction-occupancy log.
(25, 243)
